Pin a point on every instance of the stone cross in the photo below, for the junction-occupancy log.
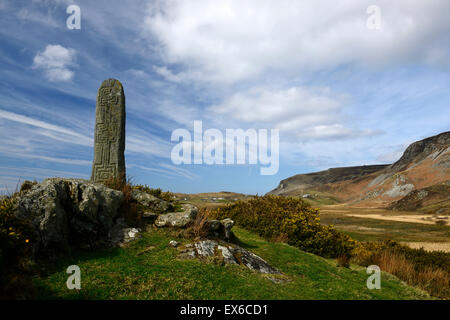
(109, 140)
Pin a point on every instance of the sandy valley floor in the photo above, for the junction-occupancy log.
(414, 229)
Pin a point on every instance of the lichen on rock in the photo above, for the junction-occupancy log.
(68, 213)
(230, 254)
(177, 219)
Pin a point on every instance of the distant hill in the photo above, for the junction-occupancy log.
(296, 184)
(221, 195)
(433, 199)
(423, 164)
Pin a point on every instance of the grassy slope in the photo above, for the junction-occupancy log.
(158, 274)
(320, 198)
(440, 207)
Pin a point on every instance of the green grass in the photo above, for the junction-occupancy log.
(158, 274)
(378, 230)
(320, 198)
(443, 207)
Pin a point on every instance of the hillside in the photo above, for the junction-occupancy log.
(297, 184)
(210, 199)
(211, 196)
(149, 269)
(424, 163)
(433, 199)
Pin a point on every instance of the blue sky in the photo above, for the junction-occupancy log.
(340, 93)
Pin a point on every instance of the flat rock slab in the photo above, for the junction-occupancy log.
(231, 254)
(177, 219)
(151, 202)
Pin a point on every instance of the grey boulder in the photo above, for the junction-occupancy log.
(222, 229)
(69, 212)
(151, 202)
(177, 219)
(231, 254)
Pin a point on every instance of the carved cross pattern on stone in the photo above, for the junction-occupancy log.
(109, 139)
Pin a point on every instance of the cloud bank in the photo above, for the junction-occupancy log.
(56, 62)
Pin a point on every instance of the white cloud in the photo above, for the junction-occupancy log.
(167, 171)
(392, 153)
(299, 112)
(147, 144)
(37, 16)
(49, 129)
(179, 171)
(232, 40)
(76, 162)
(336, 131)
(56, 61)
(261, 104)
(389, 157)
(167, 74)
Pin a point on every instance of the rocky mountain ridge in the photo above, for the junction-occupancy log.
(424, 163)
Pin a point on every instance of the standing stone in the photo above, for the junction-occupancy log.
(109, 141)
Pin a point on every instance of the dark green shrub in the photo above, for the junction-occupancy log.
(289, 218)
(15, 253)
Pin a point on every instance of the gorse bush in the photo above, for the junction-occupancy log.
(274, 217)
(16, 236)
(295, 222)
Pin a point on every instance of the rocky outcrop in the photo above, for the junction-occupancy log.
(150, 217)
(177, 219)
(151, 202)
(121, 234)
(77, 213)
(295, 184)
(419, 150)
(222, 229)
(67, 213)
(424, 163)
(230, 254)
(433, 199)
